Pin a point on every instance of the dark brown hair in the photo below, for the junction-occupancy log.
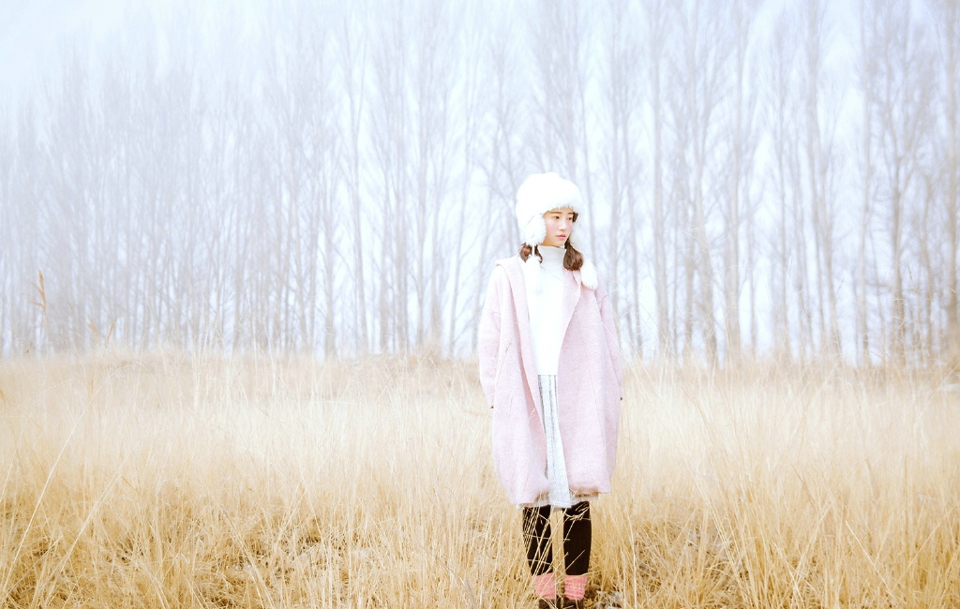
(572, 259)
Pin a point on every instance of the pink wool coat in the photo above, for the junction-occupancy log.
(589, 386)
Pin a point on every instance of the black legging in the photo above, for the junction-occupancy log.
(577, 535)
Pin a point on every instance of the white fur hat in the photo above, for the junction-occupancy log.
(543, 192)
(540, 193)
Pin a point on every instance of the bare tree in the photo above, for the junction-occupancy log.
(502, 166)
(390, 131)
(903, 97)
(700, 76)
(620, 163)
(946, 15)
(817, 134)
(431, 89)
(29, 198)
(473, 97)
(559, 32)
(656, 19)
(925, 224)
(8, 222)
(353, 48)
(78, 217)
(781, 116)
(742, 142)
(868, 76)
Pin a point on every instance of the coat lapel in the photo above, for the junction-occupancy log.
(518, 288)
(571, 296)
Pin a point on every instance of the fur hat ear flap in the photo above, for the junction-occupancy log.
(588, 275)
(535, 232)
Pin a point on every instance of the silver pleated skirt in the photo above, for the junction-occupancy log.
(560, 495)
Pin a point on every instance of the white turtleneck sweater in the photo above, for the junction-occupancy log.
(545, 310)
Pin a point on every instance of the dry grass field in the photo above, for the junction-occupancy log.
(174, 481)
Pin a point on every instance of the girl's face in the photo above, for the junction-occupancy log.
(559, 226)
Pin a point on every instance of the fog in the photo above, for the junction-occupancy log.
(762, 180)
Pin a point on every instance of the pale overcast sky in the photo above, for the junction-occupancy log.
(31, 32)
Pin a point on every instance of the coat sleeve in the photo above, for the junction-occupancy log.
(613, 340)
(488, 335)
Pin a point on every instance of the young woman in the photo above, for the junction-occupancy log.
(550, 369)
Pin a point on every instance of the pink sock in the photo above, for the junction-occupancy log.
(544, 586)
(575, 587)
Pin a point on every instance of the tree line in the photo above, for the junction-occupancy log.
(762, 180)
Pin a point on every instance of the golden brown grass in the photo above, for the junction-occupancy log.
(169, 481)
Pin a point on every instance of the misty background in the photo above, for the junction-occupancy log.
(763, 179)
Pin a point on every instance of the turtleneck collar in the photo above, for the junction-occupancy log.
(552, 256)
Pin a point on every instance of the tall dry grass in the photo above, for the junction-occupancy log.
(168, 481)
